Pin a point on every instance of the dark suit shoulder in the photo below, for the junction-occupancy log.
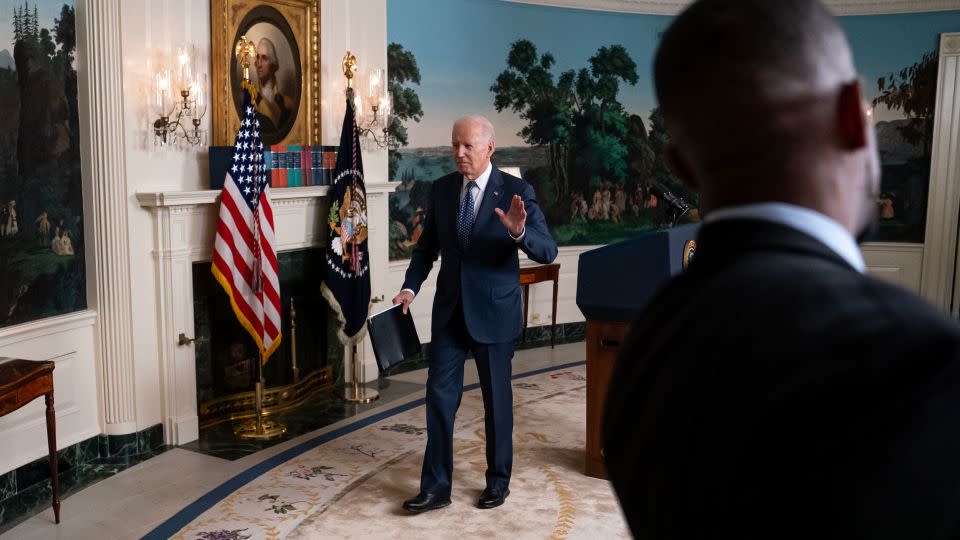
(906, 310)
(805, 296)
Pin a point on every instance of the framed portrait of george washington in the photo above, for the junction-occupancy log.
(285, 71)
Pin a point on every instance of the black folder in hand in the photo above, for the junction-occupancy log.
(394, 337)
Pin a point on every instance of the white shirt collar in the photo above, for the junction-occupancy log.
(811, 222)
(481, 180)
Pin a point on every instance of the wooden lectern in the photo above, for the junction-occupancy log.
(614, 283)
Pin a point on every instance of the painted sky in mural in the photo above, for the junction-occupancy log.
(47, 12)
(467, 42)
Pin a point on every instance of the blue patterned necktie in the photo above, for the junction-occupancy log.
(465, 219)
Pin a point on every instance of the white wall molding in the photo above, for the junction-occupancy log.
(672, 7)
(46, 328)
(107, 216)
(898, 263)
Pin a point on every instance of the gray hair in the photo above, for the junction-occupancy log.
(485, 125)
(271, 50)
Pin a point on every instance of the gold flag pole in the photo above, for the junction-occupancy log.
(259, 396)
(358, 392)
(293, 342)
(259, 428)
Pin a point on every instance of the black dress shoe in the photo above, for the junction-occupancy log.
(424, 502)
(492, 498)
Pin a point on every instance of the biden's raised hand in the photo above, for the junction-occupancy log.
(515, 218)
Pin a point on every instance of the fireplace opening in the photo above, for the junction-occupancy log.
(226, 356)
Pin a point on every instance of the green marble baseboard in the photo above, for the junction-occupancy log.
(537, 336)
(26, 490)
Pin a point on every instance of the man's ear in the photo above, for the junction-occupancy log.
(679, 165)
(852, 117)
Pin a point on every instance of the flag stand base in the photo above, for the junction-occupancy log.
(259, 428)
(268, 430)
(360, 394)
(356, 392)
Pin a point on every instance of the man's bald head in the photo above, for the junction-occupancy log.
(750, 92)
(749, 50)
(728, 61)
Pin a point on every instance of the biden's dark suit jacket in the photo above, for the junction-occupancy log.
(487, 274)
(773, 391)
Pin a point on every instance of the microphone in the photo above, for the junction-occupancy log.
(678, 206)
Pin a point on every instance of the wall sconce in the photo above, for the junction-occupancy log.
(179, 100)
(373, 124)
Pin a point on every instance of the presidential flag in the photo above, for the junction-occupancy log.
(244, 256)
(347, 285)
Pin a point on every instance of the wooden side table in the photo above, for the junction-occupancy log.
(22, 381)
(536, 274)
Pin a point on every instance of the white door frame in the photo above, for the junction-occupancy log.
(938, 280)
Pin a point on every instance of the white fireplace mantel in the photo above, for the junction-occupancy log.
(183, 232)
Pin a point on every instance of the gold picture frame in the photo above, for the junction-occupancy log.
(288, 31)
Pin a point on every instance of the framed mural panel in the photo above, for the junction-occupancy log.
(580, 117)
(286, 70)
(42, 268)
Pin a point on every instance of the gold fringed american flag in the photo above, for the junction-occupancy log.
(244, 254)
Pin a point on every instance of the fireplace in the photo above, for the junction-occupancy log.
(226, 355)
(184, 225)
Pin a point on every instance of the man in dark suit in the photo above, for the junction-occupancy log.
(774, 390)
(476, 220)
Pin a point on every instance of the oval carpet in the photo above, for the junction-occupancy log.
(353, 486)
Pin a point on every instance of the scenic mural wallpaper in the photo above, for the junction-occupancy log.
(41, 205)
(571, 95)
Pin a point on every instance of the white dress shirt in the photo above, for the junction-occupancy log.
(807, 221)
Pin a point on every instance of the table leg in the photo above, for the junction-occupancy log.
(52, 448)
(553, 318)
(526, 304)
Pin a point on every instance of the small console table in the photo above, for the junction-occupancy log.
(22, 381)
(536, 274)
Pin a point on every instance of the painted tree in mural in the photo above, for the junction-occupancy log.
(641, 159)
(600, 121)
(913, 91)
(527, 87)
(402, 69)
(578, 117)
(905, 183)
(661, 170)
